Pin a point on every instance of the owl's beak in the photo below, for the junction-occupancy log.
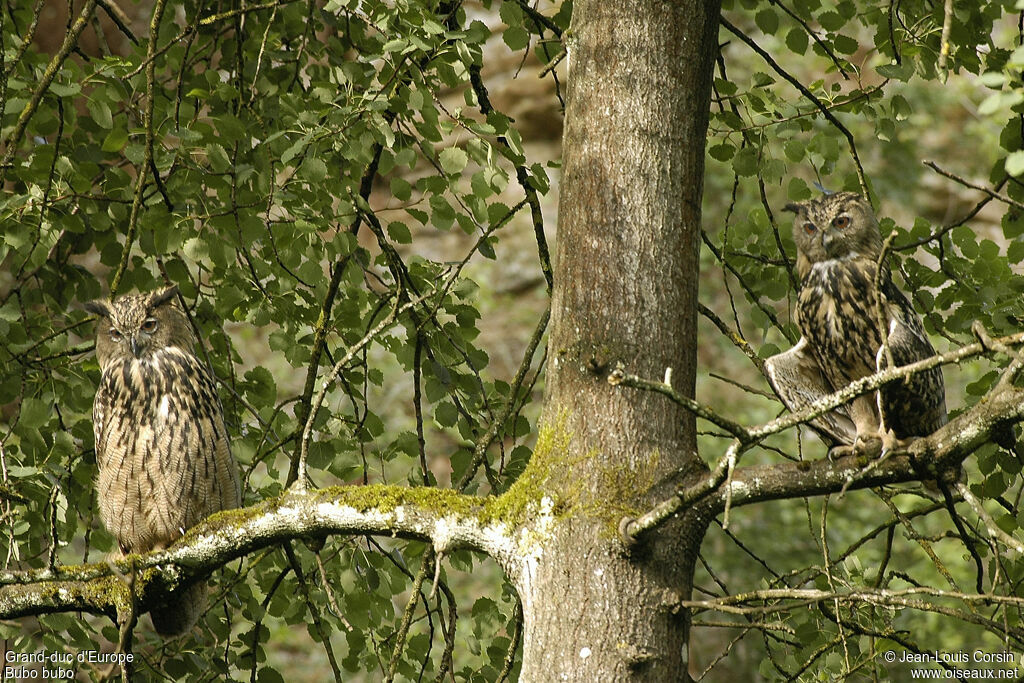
(136, 346)
(828, 236)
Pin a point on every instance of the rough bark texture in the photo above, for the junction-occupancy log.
(625, 291)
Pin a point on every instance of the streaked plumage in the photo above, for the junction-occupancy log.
(162, 447)
(838, 247)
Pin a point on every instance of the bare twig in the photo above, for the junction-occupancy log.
(484, 442)
(118, 16)
(619, 377)
(974, 186)
(147, 163)
(328, 382)
(733, 336)
(410, 609)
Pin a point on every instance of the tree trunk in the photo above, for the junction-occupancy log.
(625, 292)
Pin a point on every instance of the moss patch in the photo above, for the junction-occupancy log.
(621, 486)
(533, 484)
(386, 498)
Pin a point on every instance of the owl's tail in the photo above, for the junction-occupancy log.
(181, 612)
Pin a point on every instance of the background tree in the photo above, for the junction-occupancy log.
(342, 197)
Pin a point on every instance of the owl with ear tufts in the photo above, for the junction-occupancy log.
(162, 447)
(846, 306)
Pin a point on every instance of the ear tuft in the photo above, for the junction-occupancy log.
(162, 296)
(794, 207)
(99, 307)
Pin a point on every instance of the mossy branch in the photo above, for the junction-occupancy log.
(442, 517)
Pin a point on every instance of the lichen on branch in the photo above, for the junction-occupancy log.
(445, 519)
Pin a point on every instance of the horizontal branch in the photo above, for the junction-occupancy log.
(931, 456)
(877, 380)
(618, 377)
(753, 435)
(784, 599)
(926, 457)
(442, 517)
(1009, 201)
(877, 596)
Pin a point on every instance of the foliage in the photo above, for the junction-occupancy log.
(291, 164)
(280, 162)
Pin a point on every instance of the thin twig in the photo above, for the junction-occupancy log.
(990, 524)
(307, 430)
(947, 24)
(144, 167)
(485, 441)
(746, 438)
(974, 186)
(118, 16)
(410, 609)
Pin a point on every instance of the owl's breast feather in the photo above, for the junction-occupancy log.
(836, 312)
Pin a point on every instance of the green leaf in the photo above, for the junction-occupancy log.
(453, 160)
(796, 40)
(316, 169)
(400, 233)
(767, 20)
(795, 150)
(34, 413)
(845, 45)
(745, 162)
(831, 21)
(1015, 163)
(722, 152)
(900, 72)
(515, 37)
(261, 386)
(100, 113)
(401, 189)
(446, 414)
(115, 141)
(65, 89)
(217, 157)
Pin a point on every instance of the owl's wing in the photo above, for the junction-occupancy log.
(916, 406)
(115, 436)
(99, 411)
(796, 378)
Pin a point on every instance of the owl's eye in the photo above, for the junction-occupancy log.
(809, 228)
(149, 327)
(115, 336)
(841, 222)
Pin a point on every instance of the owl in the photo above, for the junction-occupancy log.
(838, 246)
(162, 447)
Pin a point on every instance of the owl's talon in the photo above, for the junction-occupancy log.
(837, 452)
(870, 446)
(890, 442)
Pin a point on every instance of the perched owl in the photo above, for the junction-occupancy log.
(838, 247)
(161, 444)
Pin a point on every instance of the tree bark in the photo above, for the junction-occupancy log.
(625, 292)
